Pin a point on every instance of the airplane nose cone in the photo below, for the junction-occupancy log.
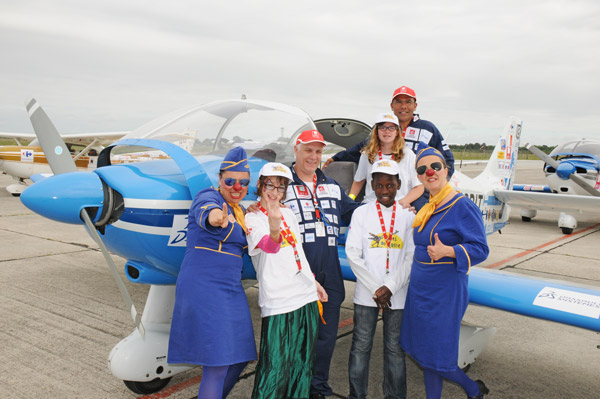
(62, 197)
(565, 170)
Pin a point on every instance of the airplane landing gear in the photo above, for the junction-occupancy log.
(147, 387)
(141, 362)
(528, 214)
(566, 223)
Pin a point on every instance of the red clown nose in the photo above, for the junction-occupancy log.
(430, 172)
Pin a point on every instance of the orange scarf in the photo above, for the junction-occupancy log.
(427, 210)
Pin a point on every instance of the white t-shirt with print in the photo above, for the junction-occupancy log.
(281, 289)
(366, 251)
(408, 174)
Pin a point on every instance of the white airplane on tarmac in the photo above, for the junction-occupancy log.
(139, 210)
(23, 161)
(573, 173)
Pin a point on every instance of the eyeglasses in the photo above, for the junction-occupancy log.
(390, 128)
(437, 166)
(269, 187)
(230, 181)
(406, 102)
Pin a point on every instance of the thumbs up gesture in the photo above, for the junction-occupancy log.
(439, 250)
(218, 217)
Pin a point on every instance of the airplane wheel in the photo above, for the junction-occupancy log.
(16, 194)
(147, 387)
(525, 219)
(466, 368)
(566, 230)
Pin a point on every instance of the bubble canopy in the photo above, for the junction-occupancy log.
(264, 129)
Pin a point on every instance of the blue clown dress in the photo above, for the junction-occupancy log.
(438, 290)
(211, 319)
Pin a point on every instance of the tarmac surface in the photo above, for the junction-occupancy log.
(61, 313)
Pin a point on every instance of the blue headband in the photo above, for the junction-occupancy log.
(424, 150)
(236, 160)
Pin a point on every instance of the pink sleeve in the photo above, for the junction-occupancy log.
(268, 245)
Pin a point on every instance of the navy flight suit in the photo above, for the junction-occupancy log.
(335, 209)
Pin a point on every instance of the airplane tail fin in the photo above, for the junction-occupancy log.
(500, 170)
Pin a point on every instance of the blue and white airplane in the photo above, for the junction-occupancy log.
(573, 173)
(139, 211)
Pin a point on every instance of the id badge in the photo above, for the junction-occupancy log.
(320, 229)
(304, 279)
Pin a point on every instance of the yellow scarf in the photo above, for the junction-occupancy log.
(238, 213)
(427, 210)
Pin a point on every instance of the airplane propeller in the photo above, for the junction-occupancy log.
(60, 161)
(56, 151)
(562, 170)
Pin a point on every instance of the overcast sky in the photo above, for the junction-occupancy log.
(105, 65)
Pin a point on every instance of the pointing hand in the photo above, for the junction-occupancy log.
(218, 217)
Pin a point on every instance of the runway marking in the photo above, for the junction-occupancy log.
(168, 391)
(527, 252)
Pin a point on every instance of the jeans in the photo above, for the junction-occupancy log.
(394, 366)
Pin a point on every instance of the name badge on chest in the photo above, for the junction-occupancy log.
(320, 229)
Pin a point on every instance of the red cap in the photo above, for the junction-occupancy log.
(310, 136)
(407, 91)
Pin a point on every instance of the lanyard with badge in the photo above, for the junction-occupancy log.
(387, 236)
(320, 216)
(287, 235)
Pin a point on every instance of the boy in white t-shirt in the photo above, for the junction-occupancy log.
(380, 248)
(287, 292)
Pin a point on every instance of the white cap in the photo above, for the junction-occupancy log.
(387, 166)
(387, 117)
(275, 169)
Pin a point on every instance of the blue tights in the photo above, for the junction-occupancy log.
(434, 380)
(217, 381)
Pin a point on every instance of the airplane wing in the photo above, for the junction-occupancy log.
(551, 202)
(82, 138)
(11, 135)
(559, 301)
(102, 137)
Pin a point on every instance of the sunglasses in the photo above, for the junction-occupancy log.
(437, 166)
(230, 181)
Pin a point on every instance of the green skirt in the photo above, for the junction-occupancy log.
(287, 354)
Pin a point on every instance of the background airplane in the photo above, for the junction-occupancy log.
(573, 173)
(23, 161)
(139, 210)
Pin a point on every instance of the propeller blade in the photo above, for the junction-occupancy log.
(134, 314)
(552, 162)
(58, 155)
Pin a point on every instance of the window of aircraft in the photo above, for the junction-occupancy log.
(265, 130)
(580, 147)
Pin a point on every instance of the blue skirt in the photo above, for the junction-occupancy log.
(211, 319)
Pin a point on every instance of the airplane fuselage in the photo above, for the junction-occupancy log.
(25, 161)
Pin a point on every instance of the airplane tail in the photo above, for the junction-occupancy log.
(500, 170)
(499, 174)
